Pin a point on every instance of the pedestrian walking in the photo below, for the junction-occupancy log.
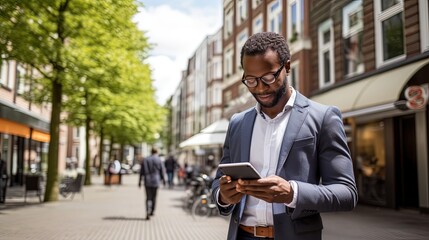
(152, 173)
(170, 168)
(298, 146)
(3, 180)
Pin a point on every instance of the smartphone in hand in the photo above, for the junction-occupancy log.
(242, 170)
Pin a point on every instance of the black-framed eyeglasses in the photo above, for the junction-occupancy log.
(268, 78)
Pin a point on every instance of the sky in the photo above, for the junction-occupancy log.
(175, 28)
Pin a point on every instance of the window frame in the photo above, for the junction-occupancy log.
(275, 16)
(323, 27)
(254, 26)
(228, 22)
(351, 8)
(294, 67)
(424, 25)
(240, 40)
(299, 19)
(4, 73)
(379, 17)
(240, 12)
(228, 62)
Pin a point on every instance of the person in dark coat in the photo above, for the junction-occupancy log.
(170, 167)
(153, 174)
(3, 180)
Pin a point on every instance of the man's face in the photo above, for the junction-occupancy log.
(268, 95)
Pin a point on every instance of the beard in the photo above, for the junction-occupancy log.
(277, 96)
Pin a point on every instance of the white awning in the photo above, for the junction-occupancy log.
(204, 139)
(377, 90)
(214, 134)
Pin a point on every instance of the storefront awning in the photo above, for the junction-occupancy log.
(380, 89)
(203, 139)
(214, 134)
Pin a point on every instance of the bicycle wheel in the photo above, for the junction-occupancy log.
(201, 207)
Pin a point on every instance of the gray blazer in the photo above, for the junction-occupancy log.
(152, 171)
(314, 153)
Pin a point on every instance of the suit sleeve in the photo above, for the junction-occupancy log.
(337, 189)
(225, 158)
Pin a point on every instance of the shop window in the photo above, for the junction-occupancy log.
(371, 163)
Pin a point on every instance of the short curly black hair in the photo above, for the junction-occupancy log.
(259, 43)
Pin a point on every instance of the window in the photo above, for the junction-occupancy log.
(217, 69)
(352, 38)
(424, 24)
(228, 26)
(4, 73)
(371, 162)
(76, 132)
(255, 3)
(241, 39)
(228, 96)
(228, 62)
(217, 94)
(241, 11)
(389, 22)
(326, 53)
(275, 17)
(294, 75)
(21, 80)
(295, 21)
(258, 24)
(242, 90)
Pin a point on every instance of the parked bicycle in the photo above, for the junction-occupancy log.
(198, 186)
(69, 186)
(204, 206)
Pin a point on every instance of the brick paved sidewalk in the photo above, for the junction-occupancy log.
(118, 212)
(115, 212)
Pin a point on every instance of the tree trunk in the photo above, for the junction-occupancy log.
(100, 152)
(88, 152)
(121, 152)
(51, 191)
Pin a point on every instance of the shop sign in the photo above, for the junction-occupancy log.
(417, 96)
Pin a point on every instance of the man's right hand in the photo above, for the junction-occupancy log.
(228, 193)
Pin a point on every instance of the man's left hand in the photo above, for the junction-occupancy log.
(272, 189)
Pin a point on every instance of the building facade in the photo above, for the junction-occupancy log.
(24, 125)
(369, 58)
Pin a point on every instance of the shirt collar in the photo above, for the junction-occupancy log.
(288, 105)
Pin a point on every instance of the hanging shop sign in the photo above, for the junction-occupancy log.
(416, 96)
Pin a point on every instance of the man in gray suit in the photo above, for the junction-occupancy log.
(298, 146)
(153, 173)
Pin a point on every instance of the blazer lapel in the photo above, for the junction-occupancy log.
(297, 117)
(246, 134)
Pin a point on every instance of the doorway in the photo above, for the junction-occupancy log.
(407, 193)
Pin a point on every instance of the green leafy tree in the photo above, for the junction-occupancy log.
(87, 58)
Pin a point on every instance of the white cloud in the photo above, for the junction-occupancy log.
(176, 34)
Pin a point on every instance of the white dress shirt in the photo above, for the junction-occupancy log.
(267, 140)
